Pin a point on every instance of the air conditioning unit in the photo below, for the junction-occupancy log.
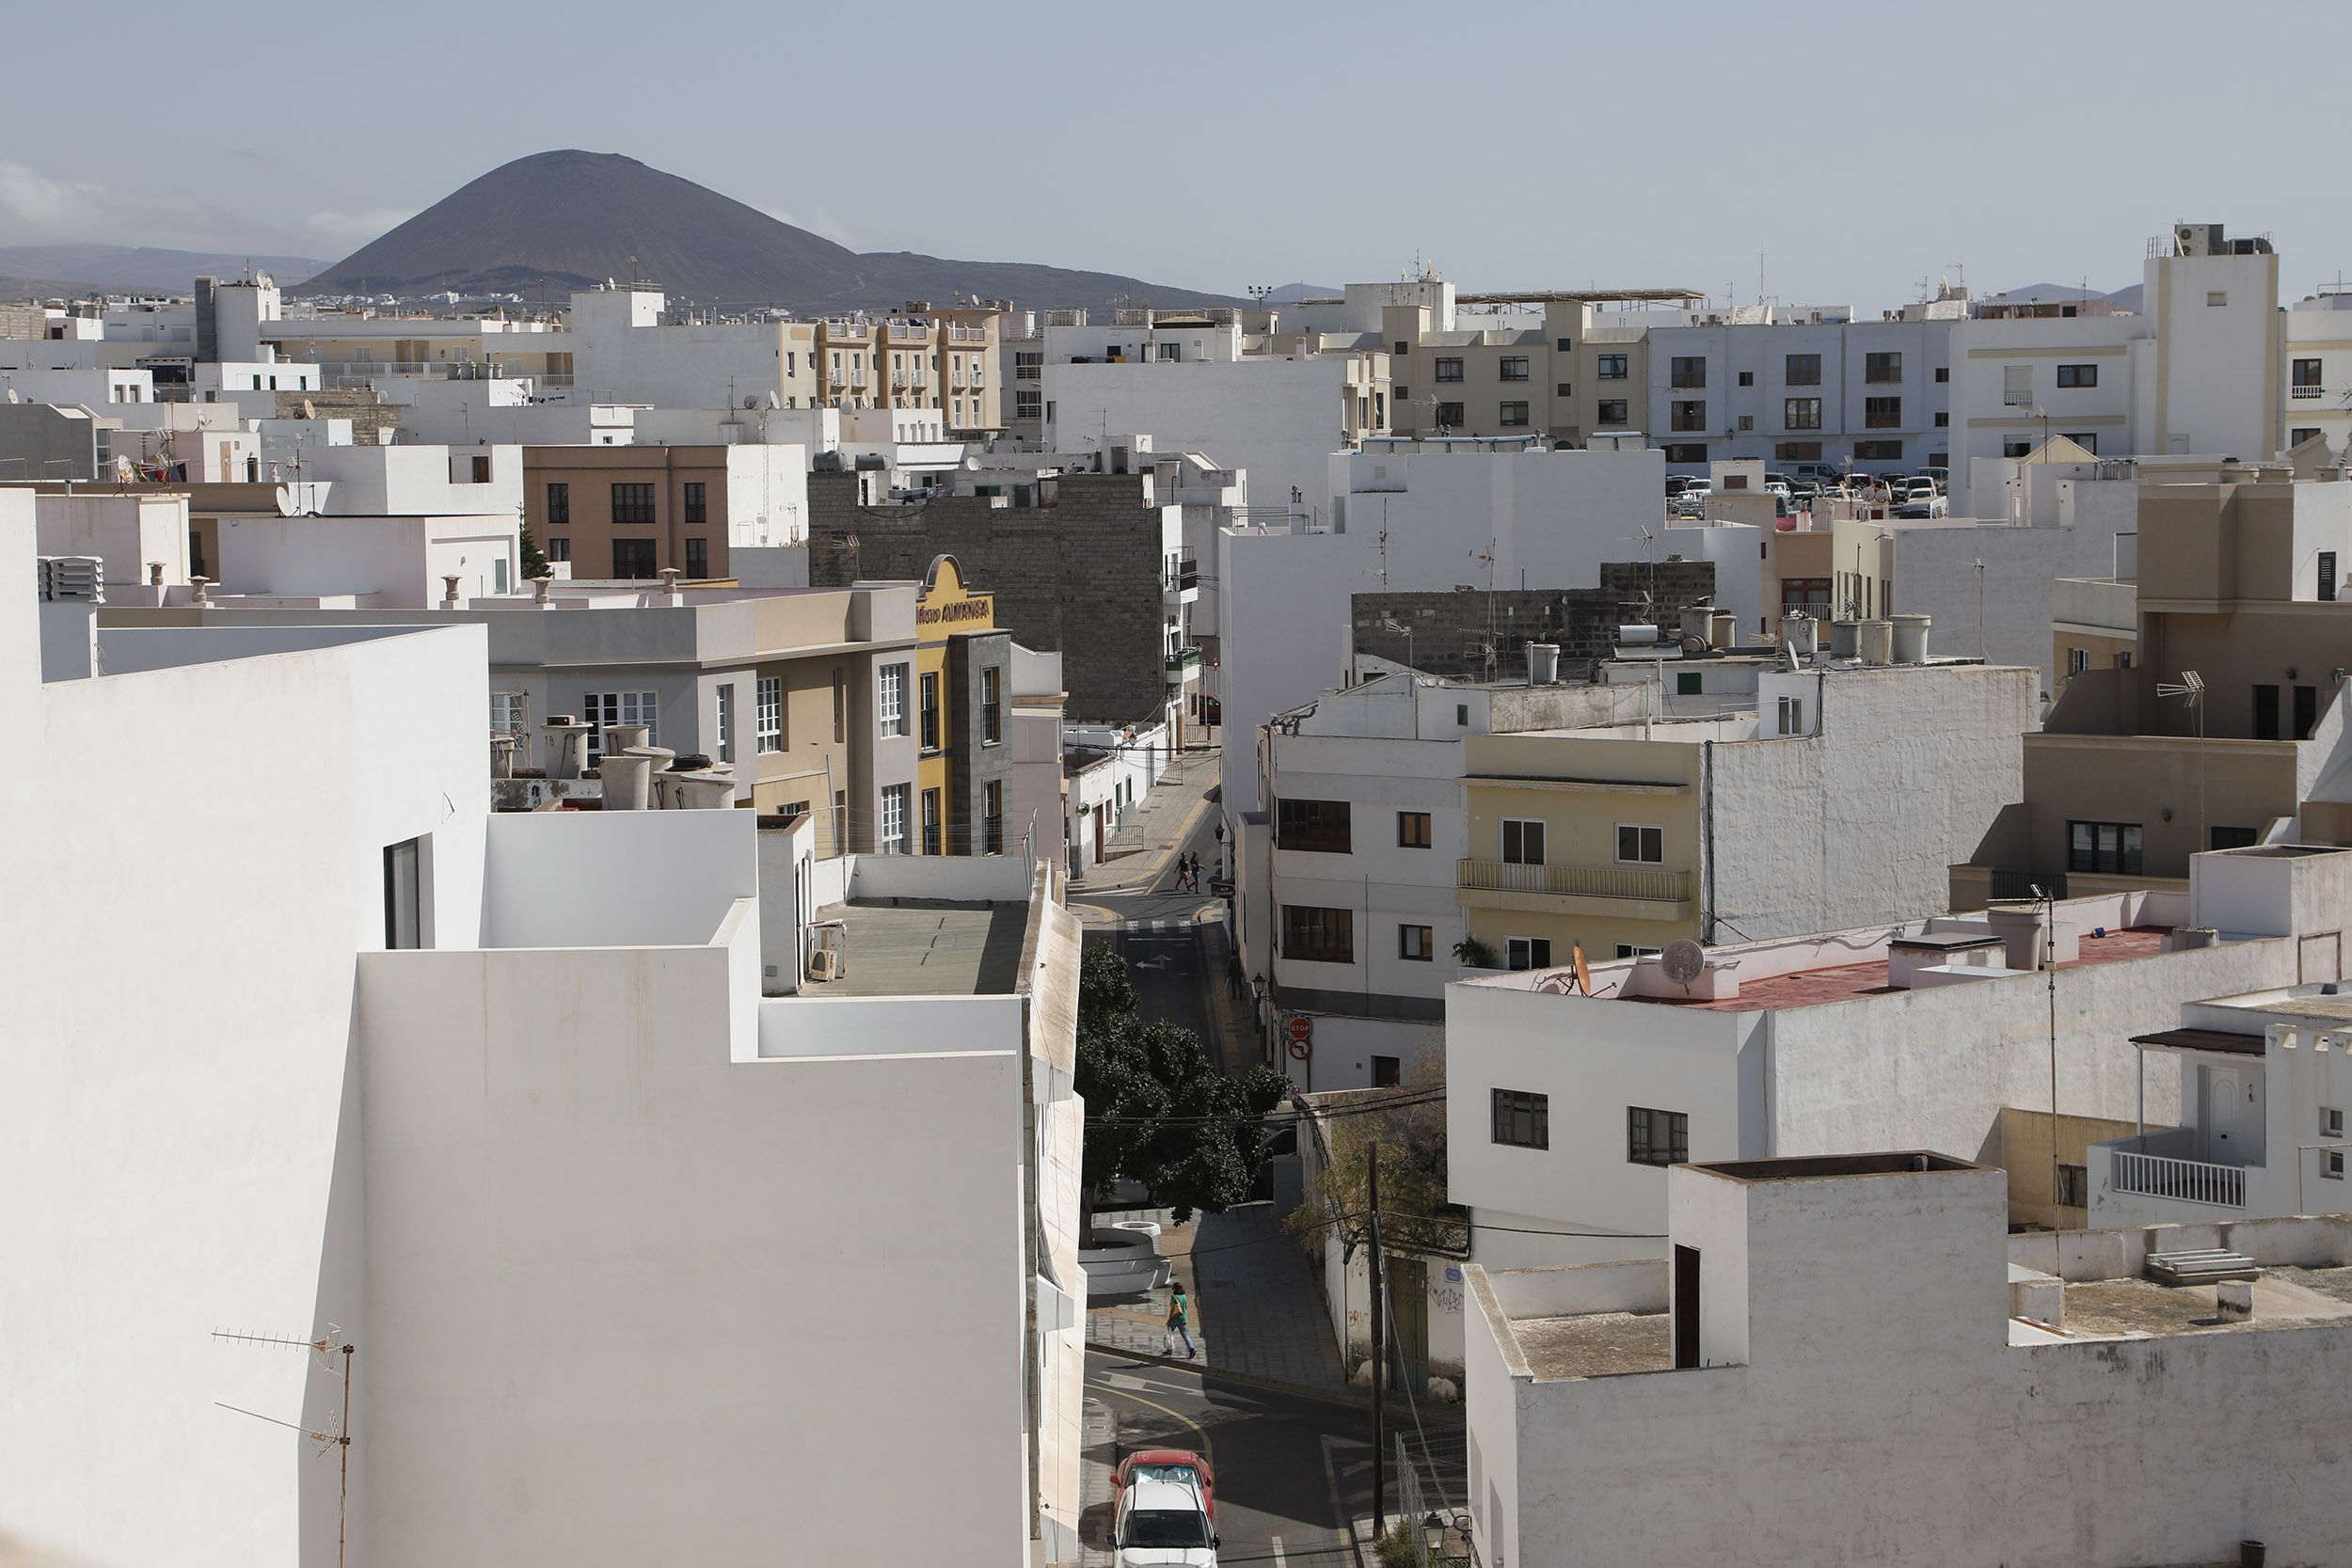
(824, 964)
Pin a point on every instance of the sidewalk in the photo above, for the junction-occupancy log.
(1142, 850)
(1256, 1311)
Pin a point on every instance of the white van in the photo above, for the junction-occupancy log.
(1163, 1524)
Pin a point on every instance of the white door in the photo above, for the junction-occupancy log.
(2225, 1095)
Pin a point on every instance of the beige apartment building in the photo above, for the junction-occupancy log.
(630, 511)
(2240, 597)
(1569, 380)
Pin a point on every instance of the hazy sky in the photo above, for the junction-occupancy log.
(1856, 149)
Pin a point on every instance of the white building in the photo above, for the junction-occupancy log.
(1563, 1110)
(516, 1124)
(1846, 1361)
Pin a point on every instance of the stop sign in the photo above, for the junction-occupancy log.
(1302, 1029)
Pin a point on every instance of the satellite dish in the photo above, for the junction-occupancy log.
(751, 402)
(1583, 971)
(1683, 960)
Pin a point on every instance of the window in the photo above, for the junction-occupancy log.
(1611, 411)
(506, 712)
(2124, 658)
(1801, 370)
(559, 502)
(1634, 950)
(1515, 414)
(404, 896)
(1515, 367)
(632, 557)
(1566, 345)
(2301, 433)
(1792, 715)
(1797, 452)
(1450, 414)
(1611, 367)
(2112, 847)
(1877, 451)
(1686, 452)
(1943, 419)
(1689, 683)
(2085, 439)
(992, 818)
(1641, 846)
(2016, 449)
(1882, 413)
(1461, 713)
(618, 708)
(2331, 1131)
(1747, 422)
(632, 503)
(1565, 390)
(1527, 952)
(1323, 827)
(1686, 370)
(1388, 1072)
(2074, 1186)
(1171, 354)
(1747, 378)
(559, 549)
(1412, 830)
(1801, 412)
(2077, 660)
(1416, 943)
(697, 502)
(1403, 394)
(698, 558)
(769, 693)
(1027, 366)
(1523, 842)
(2214, 297)
(930, 822)
(893, 837)
(1315, 935)
(992, 710)
(725, 733)
(931, 710)
(1403, 348)
(1522, 1121)
(2306, 373)
(1882, 368)
(2232, 839)
(2328, 579)
(1448, 370)
(2078, 376)
(1657, 1137)
(1687, 415)
(1027, 405)
(890, 698)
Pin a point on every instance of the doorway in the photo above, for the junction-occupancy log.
(2225, 1103)
(2265, 713)
(1409, 1323)
(1686, 1307)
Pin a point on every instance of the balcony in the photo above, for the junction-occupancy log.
(2017, 400)
(1181, 665)
(1575, 881)
(955, 379)
(967, 334)
(2181, 1180)
(2301, 391)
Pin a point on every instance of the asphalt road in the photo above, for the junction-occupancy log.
(1173, 955)
(1290, 1471)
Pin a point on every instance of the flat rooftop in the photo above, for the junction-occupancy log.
(926, 947)
(1844, 982)
(1595, 1344)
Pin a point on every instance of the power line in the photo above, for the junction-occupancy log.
(1431, 1097)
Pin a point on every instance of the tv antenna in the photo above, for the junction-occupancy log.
(2191, 689)
(329, 1347)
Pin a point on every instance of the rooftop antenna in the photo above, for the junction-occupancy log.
(337, 1435)
(2191, 689)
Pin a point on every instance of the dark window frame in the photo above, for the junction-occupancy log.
(1655, 1137)
(1521, 1118)
(1412, 830)
(1800, 370)
(697, 500)
(1883, 413)
(2078, 376)
(634, 502)
(1449, 368)
(1427, 942)
(1315, 933)
(1687, 372)
(1612, 367)
(634, 559)
(2123, 857)
(1882, 369)
(1801, 412)
(1687, 416)
(1514, 366)
(559, 502)
(1315, 826)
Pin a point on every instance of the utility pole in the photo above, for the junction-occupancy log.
(1380, 1351)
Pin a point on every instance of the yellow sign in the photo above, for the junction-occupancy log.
(943, 602)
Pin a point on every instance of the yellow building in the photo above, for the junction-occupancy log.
(1587, 836)
(963, 712)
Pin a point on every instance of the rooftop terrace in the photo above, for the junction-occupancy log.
(1844, 982)
(926, 947)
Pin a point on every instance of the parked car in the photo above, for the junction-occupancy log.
(1920, 499)
(1163, 1524)
(1181, 1465)
(1775, 481)
(1943, 477)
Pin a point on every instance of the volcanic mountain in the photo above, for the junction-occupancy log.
(570, 219)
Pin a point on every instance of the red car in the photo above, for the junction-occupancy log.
(1181, 1465)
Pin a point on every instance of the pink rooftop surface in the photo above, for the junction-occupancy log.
(1844, 982)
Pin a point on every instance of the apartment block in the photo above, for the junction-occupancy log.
(627, 512)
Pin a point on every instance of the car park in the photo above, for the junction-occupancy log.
(1163, 1524)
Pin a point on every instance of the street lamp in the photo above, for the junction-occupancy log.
(1433, 1533)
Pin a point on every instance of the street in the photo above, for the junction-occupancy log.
(1290, 1471)
(1175, 943)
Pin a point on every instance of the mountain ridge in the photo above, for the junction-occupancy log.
(571, 219)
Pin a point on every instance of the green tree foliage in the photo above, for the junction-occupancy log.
(1410, 1136)
(535, 562)
(1158, 1111)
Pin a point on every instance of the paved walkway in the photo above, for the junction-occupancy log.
(1256, 1311)
(1142, 850)
(1098, 1470)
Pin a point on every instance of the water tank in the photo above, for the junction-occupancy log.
(1726, 629)
(1842, 640)
(1803, 634)
(1636, 637)
(1911, 638)
(1698, 624)
(1876, 640)
(1543, 663)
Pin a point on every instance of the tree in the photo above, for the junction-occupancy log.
(534, 563)
(1410, 1136)
(1158, 1111)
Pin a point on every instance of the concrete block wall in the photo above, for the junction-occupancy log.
(1080, 576)
(1450, 628)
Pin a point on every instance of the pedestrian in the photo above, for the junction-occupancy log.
(1178, 1315)
(1180, 873)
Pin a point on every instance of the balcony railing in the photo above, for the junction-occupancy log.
(1581, 881)
(1188, 576)
(2187, 1181)
(2016, 400)
(2300, 391)
(1184, 659)
(967, 334)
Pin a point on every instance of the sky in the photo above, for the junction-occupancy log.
(1814, 153)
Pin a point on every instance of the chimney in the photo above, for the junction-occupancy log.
(669, 586)
(449, 593)
(201, 588)
(154, 573)
(539, 587)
